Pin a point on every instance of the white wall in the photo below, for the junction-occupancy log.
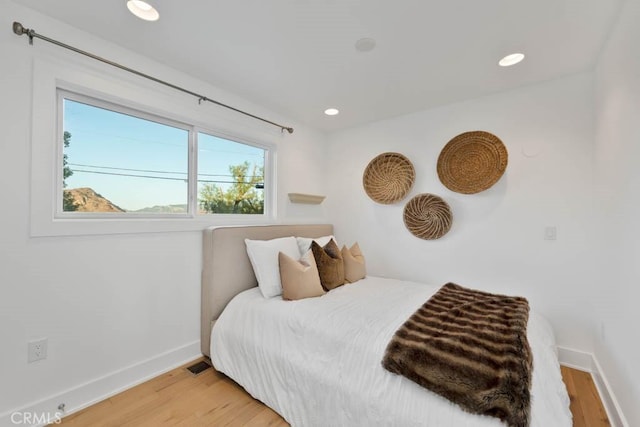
(109, 302)
(496, 241)
(105, 302)
(618, 184)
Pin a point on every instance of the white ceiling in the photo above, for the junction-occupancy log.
(297, 57)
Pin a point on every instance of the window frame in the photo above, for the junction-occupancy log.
(269, 176)
(63, 94)
(52, 79)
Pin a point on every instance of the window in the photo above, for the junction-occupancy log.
(143, 149)
(230, 176)
(117, 161)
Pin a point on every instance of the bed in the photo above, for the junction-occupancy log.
(317, 361)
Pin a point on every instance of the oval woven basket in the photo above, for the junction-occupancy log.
(388, 178)
(427, 216)
(472, 162)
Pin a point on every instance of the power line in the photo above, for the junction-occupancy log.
(132, 175)
(151, 171)
(161, 177)
(126, 169)
(91, 133)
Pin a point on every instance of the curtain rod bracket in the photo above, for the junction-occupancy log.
(20, 30)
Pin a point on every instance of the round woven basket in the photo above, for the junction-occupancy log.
(472, 162)
(427, 216)
(388, 178)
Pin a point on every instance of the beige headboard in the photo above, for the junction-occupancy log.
(226, 269)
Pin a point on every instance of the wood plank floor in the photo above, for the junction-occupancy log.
(586, 405)
(179, 398)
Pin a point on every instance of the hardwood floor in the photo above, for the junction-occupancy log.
(586, 405)
(179, 398)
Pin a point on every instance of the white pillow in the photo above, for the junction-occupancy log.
(263, 255)
(304, 243)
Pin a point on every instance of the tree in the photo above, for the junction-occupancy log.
(68, 203)
(244, 196)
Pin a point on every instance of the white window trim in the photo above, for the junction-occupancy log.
(63, 94)
(51, 79)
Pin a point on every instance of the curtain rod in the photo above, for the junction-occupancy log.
(19, 29)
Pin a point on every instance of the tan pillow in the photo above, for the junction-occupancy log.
(300, 279)
(330, 264)
(354, 266)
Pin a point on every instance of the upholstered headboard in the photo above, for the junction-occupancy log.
(226, 269)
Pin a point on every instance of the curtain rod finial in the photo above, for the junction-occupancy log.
(19, 29)
(290, 130)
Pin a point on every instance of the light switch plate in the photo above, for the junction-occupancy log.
(550, 233)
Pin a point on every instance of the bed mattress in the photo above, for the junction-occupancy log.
(317, 361)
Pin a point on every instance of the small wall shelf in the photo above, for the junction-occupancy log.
(309, 199)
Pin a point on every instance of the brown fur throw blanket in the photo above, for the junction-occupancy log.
(470, 347)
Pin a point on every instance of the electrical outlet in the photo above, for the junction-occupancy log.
(37, 350)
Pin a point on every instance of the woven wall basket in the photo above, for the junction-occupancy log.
(472, 162)
(388, 178)
(427, 216)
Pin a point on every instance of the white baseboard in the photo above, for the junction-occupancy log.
(587, 362)
(46, 410)
(94, 391)
(575, 359)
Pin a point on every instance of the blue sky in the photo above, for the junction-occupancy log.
(138, 163)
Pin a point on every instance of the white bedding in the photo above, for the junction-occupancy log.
(317, 361)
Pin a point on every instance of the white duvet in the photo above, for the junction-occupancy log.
(317, 362)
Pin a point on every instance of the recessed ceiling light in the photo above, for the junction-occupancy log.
(365, 45)
(510, 60)
(331, 111)
(143, 10)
